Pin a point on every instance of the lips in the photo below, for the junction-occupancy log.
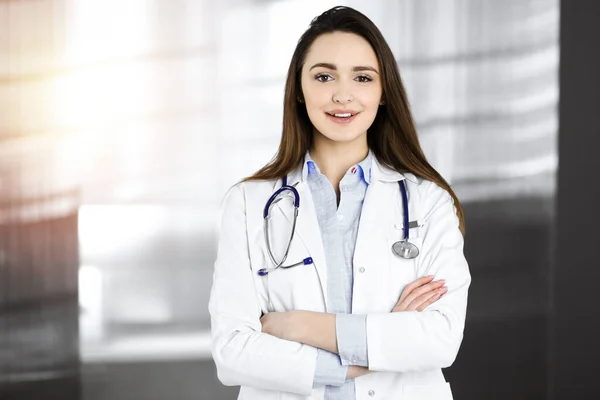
(342, 116)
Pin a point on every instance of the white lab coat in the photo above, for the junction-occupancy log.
(406, 349)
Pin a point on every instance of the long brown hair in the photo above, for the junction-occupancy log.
(392, 137)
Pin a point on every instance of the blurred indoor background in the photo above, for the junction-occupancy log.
(123, 122)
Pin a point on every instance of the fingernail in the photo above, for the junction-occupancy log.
(441, 281)
(428, 276)
(444, 289)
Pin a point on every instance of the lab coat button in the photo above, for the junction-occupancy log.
(361, 270)
(340, 217)
(371, 393)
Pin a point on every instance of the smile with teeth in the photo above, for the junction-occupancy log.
(341, 118)
(345, 115)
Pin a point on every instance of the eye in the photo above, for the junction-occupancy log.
(323, 77)
(364, 78)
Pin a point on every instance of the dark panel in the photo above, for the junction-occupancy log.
(575, 349)
(504, 351)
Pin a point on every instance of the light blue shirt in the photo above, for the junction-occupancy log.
(339, 228)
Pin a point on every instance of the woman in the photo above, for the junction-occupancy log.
(354, 320)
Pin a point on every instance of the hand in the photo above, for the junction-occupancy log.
(281, 324)
(419, 294)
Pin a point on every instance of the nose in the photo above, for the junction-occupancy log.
(342, 95)
(337, 100)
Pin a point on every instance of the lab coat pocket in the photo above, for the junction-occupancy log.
(436, 391)
(297, 287)
(402, 271)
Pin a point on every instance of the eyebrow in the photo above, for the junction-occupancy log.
(354, 69)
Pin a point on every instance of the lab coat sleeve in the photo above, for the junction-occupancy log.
(414, 341)
(242, 353)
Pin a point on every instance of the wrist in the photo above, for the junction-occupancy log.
(354, 371)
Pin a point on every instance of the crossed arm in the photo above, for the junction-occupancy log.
(318, 329)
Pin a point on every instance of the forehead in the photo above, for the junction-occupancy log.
(343, 49)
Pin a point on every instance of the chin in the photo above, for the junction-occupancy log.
(346, 139)
(342, 136)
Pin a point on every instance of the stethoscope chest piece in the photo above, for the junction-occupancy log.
(405, 249)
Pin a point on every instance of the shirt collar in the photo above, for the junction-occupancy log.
(377, 172)
(363, 167)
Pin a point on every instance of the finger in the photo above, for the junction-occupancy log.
(423, 290)
(413, 305)
(430, 287)
(413, 285)
(425, 300)
(429, 302)
(435, 298)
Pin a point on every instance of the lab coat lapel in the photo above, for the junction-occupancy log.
(375, 216)
(307, 230)
(372, 248)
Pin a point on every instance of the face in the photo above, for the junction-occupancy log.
(341, 86)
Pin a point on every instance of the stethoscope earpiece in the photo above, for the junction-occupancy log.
(265, 271)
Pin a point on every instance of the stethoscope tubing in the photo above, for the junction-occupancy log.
(272, 200)
(403, 248)
(282, 189)
(405, 228)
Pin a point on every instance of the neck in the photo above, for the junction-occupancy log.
(334, 158)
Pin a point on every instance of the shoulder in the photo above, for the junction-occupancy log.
(247, 191)
(427, 193)
(424, 186)
(256, 187)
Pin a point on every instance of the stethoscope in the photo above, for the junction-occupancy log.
(402, 248)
